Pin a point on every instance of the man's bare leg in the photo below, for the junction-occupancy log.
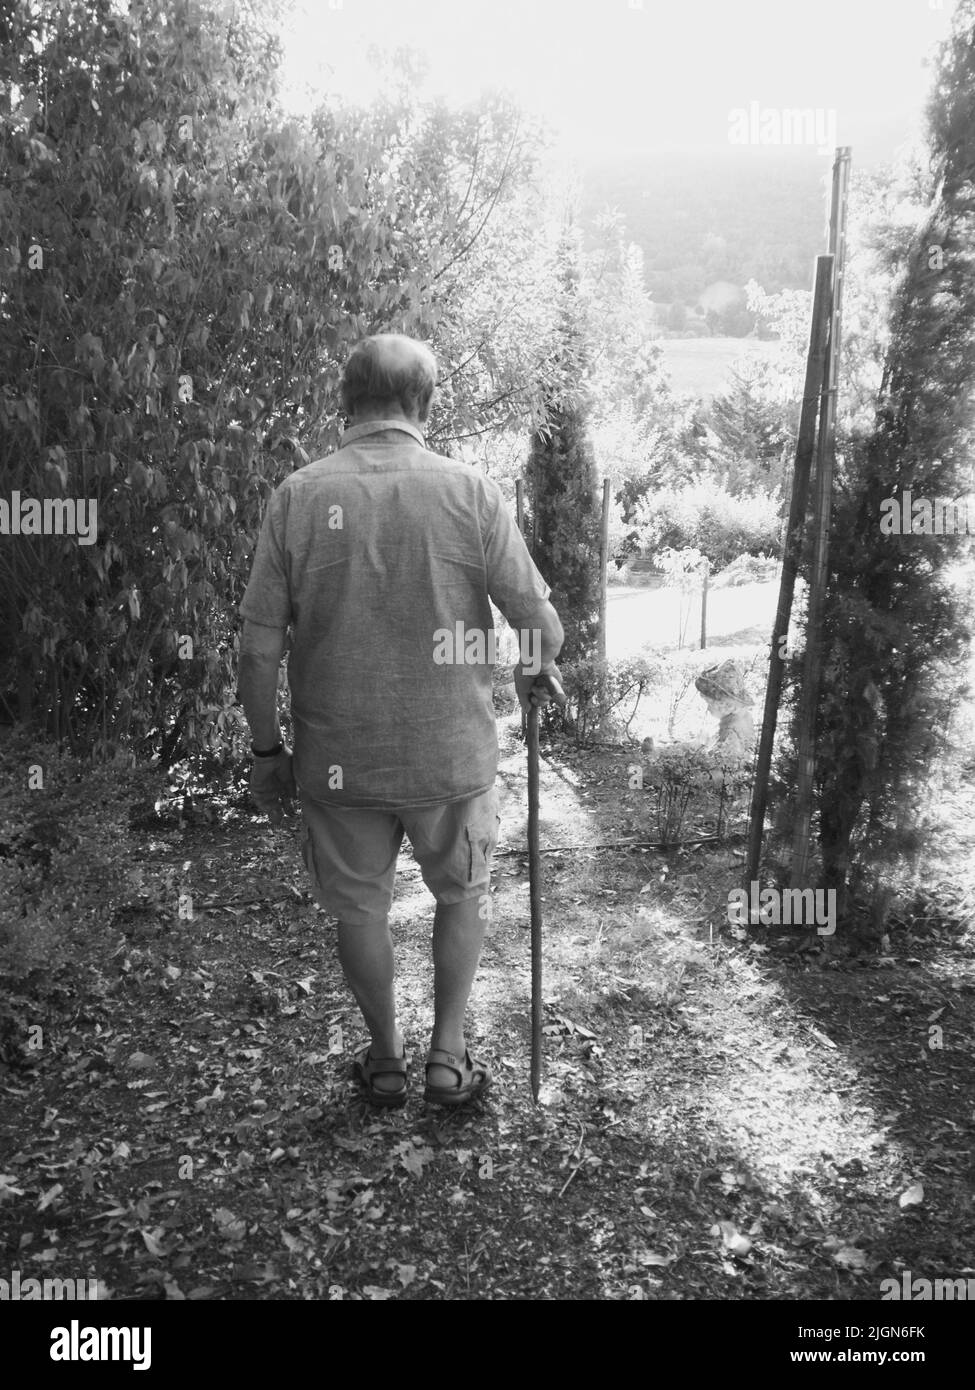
(458, 935)
(366, 956)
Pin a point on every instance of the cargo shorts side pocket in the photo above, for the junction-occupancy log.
(481, 833)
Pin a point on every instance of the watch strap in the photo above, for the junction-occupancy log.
(268, 752)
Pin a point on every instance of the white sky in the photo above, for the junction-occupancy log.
(607, 76)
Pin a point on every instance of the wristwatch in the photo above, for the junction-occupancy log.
(268, 752)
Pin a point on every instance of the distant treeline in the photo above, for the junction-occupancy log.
(703, 218)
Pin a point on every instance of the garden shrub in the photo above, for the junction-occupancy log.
(63, 857)
(601, 695)
(746, 569)
(705, 517)
(686, 778)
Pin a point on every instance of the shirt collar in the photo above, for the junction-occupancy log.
(355, 432)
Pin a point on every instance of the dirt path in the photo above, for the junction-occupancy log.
(721, 1119)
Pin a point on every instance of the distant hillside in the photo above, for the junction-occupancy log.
(728, 216)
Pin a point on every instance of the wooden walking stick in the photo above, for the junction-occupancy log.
(550, 684)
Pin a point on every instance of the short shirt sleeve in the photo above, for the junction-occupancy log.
(513, 580)
(267, 598)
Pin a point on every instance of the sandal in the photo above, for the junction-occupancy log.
(473, 1078)
(365, 1069)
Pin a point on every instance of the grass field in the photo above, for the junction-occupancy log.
(640, 621)
(700, 366)
(638, 617)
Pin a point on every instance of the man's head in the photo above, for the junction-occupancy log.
(387, 375)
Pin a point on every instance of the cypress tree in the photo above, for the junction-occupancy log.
(563, 482)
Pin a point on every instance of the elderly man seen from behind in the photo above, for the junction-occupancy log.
(371, 555)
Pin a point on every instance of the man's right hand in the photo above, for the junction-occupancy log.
(532, 690)
(272, 785)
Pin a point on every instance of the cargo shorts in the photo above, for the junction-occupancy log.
(351, 853)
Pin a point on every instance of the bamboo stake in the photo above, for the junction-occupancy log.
(822, 516)
(811, 394)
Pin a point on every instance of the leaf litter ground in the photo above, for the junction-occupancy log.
(726, 1114)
